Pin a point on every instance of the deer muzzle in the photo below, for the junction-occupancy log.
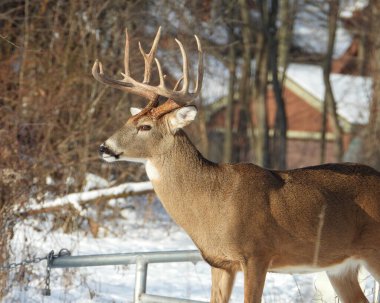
(108, 154)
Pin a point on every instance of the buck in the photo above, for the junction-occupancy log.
(243, 217)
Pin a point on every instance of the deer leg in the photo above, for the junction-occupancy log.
(346, 285)
(255, 270)
(222, 283)
(372, 264)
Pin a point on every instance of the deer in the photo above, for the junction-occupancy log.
(243, 217)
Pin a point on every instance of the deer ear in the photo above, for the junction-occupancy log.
(135, 110)
(182, 117)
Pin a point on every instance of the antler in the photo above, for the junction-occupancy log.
(181, 97)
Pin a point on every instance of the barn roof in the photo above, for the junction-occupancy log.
(352, 93)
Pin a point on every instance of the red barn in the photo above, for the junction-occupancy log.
(303, 95)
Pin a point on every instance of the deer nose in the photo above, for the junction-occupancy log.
(104, 149)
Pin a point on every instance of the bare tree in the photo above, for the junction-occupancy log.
(228, 134)
(260, 88)
(329, 107)
(286, 16)
(245, 94)
(371, 152)
(279, 142)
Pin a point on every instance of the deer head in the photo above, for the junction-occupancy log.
(151, 129)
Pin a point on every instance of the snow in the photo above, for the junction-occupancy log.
(93, 181)
(352, 93)
(141, 226)
(311, 34)
(351, 6)
(215, 82)
(74, 199)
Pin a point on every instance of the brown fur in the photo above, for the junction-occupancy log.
(244, 217)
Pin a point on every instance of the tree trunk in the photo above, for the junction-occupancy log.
(227, 155)
(286, 19)
(363, 53)
(245, 80)
(260, 91)
(329, 96)
(24, 59)
(279, 146)
(322, 153)
(371, 149)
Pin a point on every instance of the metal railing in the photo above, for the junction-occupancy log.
(141, 259)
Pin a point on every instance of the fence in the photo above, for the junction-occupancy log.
(142, 260)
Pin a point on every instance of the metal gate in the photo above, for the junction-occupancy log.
(142, 260)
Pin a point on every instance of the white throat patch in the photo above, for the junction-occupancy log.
(151, 171)
(136, 160)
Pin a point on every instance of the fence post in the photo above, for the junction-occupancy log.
(141, 274)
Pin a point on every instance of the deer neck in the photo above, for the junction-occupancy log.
(183, 162)
(180, 175)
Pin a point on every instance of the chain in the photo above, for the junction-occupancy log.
(49, 260)
(46, 291)
(35, 260)
(11, 266)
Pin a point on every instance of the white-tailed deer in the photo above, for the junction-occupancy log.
(243, 217)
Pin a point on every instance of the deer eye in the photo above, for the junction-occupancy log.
(144, 127)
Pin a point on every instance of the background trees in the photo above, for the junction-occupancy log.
(371, 148)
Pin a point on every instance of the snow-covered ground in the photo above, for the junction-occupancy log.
(141, 226)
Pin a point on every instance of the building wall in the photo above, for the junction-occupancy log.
(304, 126)
(300, 114)
(307, 152)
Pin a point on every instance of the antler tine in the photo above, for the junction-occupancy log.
(98, 73)
(185, 67)
(148, 57)
(160, 74)
(198, 85)
(126, 55)
(178, 83)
